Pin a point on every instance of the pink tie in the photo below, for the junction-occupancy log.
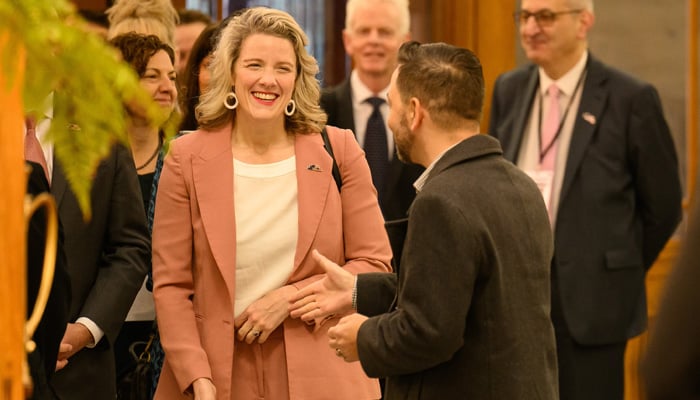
(548, 145)
(32, 147)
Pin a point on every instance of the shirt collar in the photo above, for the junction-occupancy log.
(420, 182)
(567, 83)
(360, 92)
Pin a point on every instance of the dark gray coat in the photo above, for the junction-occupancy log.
(471, 315)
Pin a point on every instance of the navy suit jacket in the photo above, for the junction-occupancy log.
(620, 199)
(398, 193)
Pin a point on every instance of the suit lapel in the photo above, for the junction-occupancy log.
(212, 173)
(58, 183)
(593, 99)
(523, 106)
(314, 180)
(345, 109)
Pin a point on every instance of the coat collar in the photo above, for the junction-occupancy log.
(468, 149)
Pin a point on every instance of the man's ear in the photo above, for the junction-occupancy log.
(416, 113)
(587, 20)
(347, 41)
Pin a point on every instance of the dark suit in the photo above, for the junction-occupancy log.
(619, 203)
(398, 192)
(48, 335)
(471, 316)
(107, 262)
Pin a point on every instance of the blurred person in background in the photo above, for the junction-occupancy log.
(148, 17)
(153, 62)
(374, 31)
(195, 79)
(191, 25)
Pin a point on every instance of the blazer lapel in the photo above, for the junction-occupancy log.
(314, 180)
(593, 100)
(212, 173)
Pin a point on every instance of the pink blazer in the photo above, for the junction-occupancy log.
(194, 256)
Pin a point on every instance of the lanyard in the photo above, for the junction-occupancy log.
(543, 152)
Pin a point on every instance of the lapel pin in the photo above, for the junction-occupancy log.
(314, 167)
(588, 117)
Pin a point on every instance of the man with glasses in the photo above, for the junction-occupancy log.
(595, 141)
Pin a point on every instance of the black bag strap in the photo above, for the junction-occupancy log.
(329, 149)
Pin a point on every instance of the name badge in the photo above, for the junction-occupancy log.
(544, 180)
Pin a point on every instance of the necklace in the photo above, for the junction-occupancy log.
(155, 153)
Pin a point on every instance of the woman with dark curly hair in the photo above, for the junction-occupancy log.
(153, 61)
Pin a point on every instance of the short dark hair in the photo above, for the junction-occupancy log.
(137, 49)
(448, 81)
(188, 16)
(190, 91)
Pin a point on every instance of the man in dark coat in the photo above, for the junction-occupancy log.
(468, 315)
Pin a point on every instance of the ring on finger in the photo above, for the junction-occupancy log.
(255, 333)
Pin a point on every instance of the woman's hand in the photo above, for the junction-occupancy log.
(262, 317)
(325, 298)
(204, 389)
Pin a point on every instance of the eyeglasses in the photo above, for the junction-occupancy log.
(543, 18)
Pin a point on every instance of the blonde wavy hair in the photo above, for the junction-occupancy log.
(148, 17)
(308, 118)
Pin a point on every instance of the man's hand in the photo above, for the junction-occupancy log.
(62, 360)
(328, 296)
(343, 337)
(262, 317)
(77, 336)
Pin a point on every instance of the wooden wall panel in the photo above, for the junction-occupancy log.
(657, 276)
(486, 28)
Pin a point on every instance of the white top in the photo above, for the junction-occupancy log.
(361, 111)
(267, 228)
(529, 156)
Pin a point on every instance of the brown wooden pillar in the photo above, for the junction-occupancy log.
(12, 230)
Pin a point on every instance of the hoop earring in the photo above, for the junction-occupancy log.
(231, 97)
(287, 110)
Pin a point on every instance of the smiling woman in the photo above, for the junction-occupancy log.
(152, 60)
(238, 214)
